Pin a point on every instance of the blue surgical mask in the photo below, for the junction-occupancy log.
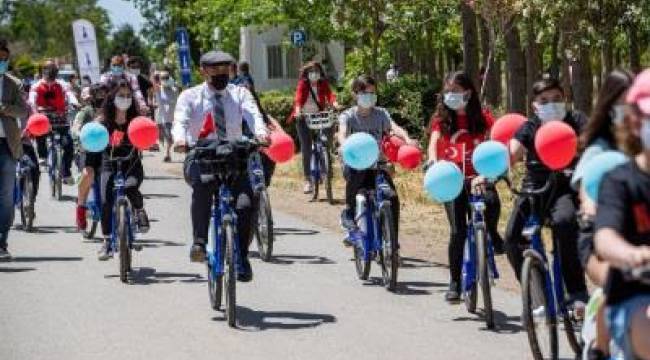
(455, 101)
(551, 111)
(367, 100)
(117, 70)
(4, 66)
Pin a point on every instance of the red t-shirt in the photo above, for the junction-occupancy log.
(458, 148)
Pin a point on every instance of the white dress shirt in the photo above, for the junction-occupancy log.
(195, 103)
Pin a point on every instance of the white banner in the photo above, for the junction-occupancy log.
(86, 45)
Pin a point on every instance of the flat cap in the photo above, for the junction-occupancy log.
(216, 57)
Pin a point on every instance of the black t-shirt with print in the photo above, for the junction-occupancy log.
(624, 206)
(537, 173)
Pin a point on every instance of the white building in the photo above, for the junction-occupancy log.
(275, 62)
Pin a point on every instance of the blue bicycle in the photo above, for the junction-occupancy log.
(24, 198)
(263, 223)
(226, 162)
(376, 236)
(123, 228)
(479, 267)
(321, 125)
(93, 209)
(55, 144)
(542, 286)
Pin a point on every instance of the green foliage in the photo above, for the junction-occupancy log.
(126, 41)
(23, 65)
(279, 105)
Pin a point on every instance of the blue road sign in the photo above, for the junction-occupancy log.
(298, 38)
(182, 38)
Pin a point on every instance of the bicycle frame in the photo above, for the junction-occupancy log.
(222, 212)
(477, 220)
(120, 198)
(18, 186)
(317, 146)
(371, 242)
(256, 173)
(94, 204)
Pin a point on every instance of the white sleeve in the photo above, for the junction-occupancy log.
(70, 97)
(31, 98)
(182, 114)
(251, 112)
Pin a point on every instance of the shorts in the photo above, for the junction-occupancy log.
(619, 320)
(165, 132)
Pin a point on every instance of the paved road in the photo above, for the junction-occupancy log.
(59, 302)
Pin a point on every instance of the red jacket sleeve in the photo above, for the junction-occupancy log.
(299, 99)
(489, 118)
(330, 96)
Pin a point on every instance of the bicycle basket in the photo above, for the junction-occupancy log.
(319, 121)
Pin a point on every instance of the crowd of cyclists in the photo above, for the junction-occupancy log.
(603, 239)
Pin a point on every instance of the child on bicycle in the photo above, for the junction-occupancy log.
(559, 204)
(118, 110)
(369, 118)
(457, 127)
(622, 228)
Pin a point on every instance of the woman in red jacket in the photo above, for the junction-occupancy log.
(313, 94)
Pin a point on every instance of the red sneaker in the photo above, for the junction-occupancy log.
(81, 217)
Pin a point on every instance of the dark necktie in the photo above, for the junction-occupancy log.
(219, 117)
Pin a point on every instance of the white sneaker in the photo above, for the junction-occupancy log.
(308, 188)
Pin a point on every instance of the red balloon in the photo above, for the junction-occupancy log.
(282, 147)
(390, 145)
(505, 128)
(409, 156)
(38, 125)
(143, 132)
(556, 144)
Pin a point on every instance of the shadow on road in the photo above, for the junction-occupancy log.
(504, 324)
(154, 243)
(68, 198)
(54, 229)
(301, 259)
(294, 231)
(45, 258)
(413, 263)
(254, 320)
(159, 196)
(162, 177)
(406, 287)
(16, 269)
(148, 276)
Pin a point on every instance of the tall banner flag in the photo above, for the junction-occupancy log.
(86, 45)
(184, 61)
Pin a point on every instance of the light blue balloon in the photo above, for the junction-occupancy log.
(94, 137)
(360, 151)
(443, 182)
(596, 168)
(491, 159)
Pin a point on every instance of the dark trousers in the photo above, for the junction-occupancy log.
(7, 182)
(562, 205)
(41, 146)
(268, 166)
(203, 195)
(134, 176)
(34, 169)
(458, 213)
(67, 144)
(356, 180)
(305, 136)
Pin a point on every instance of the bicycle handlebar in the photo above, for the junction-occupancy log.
(641, 273)
(531, 192)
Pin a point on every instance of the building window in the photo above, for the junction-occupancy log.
(274, 61)
(293, 63)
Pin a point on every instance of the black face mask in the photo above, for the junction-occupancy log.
(220, 81)
(50, 73)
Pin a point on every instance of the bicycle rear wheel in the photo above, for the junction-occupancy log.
(231, 261)
(27, 204)
(484, 276)
(123, 242)
(362, 266)
(572, 331)
(469, 291)
(389, 254)
(264, 227)
(540, 325)
(326, 159)
(58, 178)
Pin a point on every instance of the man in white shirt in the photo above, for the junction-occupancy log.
(233, 112)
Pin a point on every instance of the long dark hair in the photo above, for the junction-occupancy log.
(109, 110)
(449, 118)
(312, 65)
(600, 123)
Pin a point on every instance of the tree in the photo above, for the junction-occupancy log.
(126, 41)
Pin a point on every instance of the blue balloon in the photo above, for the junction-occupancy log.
(443, 182)
(491, 159)
(94, 137)
(596, 168)
(360, 151)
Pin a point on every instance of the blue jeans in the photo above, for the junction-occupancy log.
(7, 179)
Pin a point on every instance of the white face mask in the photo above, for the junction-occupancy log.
(551, 111)
(367, 100)
(313, 76)
(123, 103)
(455, 101)
(617, 114)
(135, 72)
(645, 133)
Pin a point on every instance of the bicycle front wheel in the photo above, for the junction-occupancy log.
(540, 325)
(27, 204)
(484, 276)
(123, 242)
(329, 173)
(469, 291)
(58, 178)
(264, 227)
(389, 256)
(231, 261)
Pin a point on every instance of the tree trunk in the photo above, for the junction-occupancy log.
(441, 64)
(533, 64)
(583, 86)
(635, 53)
(492, 76)
(556, 62)
(470, 41)
(516, 68)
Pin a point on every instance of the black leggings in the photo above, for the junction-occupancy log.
(458, 212)
(134, 177)
(561, 212)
